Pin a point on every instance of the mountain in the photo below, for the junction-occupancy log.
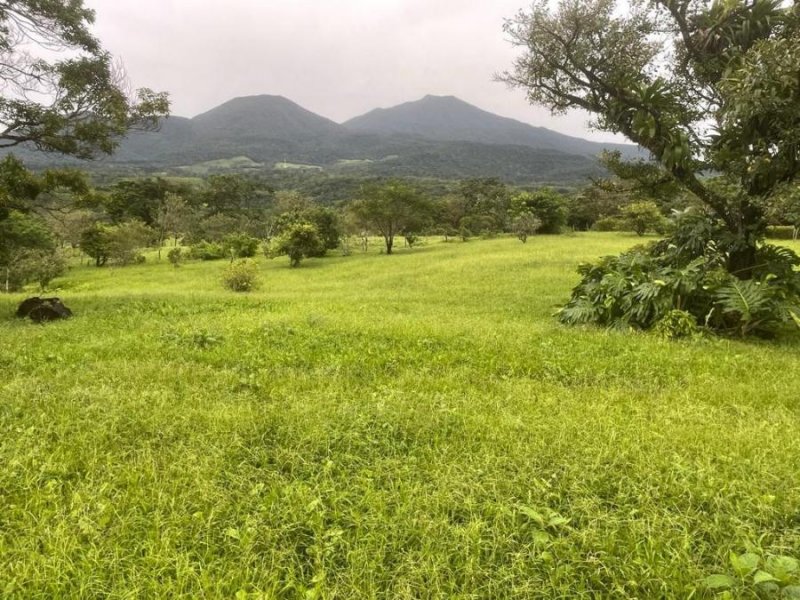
(269, 117)
(433, 137)
(446, 118)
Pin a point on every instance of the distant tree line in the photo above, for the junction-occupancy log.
(43, 215)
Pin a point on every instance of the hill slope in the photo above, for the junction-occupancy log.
(435, 137)
(447, 118)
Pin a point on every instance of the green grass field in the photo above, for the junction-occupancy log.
(407, 426)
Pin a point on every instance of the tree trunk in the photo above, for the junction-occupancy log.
(389, 244)
(742, 261)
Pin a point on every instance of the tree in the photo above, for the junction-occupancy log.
(21, 233)
(485, 205)
(174, 218)
(391, 209)
(299, 241)
(525, 225)
(117, 243)
(642, 217)
(545, 204)
(62, 91)
(228, 194)
(704, 87)
(96, 243)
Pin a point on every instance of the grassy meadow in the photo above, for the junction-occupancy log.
(407, 426)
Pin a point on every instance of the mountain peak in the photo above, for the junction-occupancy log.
(264, 115)
(447, 118)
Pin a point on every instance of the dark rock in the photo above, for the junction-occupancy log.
(43, 309)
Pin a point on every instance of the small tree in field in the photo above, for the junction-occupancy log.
(299, 241)
(392, 209)
(642, 217)
(525, 225)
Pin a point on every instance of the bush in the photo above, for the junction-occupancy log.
(239, 245)
(241, 276)
(206, 251)
(677, 324)
(781, 232)
(687, 272)
(39, 266)
(299, 241)
(175, 257)
(608, 224)
(642, 217)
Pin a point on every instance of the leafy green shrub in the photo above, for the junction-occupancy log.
(175, 257)
(781, 232)
(642, 217)
(40, 266)
(772, 576)
(525, 225)
(688, 272)
(239, 245)
(608, 224)
(299, 241)
(677, 324)
(206, 251)
(241, 276)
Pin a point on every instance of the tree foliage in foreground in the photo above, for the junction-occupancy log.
(705, 87)
(62, 91)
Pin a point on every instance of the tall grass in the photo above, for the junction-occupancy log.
(407, 426)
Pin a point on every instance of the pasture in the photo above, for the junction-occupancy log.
(406, 426)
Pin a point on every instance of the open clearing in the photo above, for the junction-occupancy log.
(408, 426)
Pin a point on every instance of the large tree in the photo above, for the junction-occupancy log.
(705, 87)
(61, 91)
(394, 208)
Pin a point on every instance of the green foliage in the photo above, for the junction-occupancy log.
(175, 256)
(241, 276)
(143, 199)
(239, 245)
(686, 272)
(119, 244)
(126, 240)
(703, 86)
(771, 576)
(228, 194)
(677, 324)
(96, 243)
(524, 225)
(546, 205)
(781, 232)
(609, 224)
(206, 251)
(70, 98)
(642, 217)
(391, 209)
(39, 266)
(299, 241)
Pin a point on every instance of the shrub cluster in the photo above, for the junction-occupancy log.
(241, 276)
(687, 272)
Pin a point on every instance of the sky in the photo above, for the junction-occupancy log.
(337, 58)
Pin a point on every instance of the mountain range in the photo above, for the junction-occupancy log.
(437, 136)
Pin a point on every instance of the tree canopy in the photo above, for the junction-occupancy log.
(711, 89)
(704, 86)
(61, 91)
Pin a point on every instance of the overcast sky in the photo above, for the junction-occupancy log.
(338, 58)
